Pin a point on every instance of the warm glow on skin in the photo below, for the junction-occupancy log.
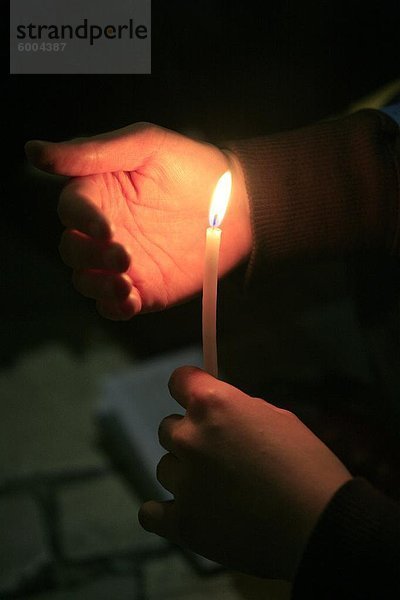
(220, 199)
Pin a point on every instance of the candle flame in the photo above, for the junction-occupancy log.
(220, 199)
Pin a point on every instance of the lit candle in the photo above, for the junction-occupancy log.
(219, 203)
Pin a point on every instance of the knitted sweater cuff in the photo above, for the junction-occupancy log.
(354, 551)
(324, 190)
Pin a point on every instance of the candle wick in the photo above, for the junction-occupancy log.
(214, 223)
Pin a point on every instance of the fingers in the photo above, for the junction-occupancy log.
(77, 210)
(122, 149)
(99, 273)
(167, 433)
(182, 383)
(82, 252)
(102, 285)
(194, 389)
(98, 264)
(120, 310)
(159, 518)
(168, 473)
(198, 392)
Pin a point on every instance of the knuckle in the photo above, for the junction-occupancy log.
(287, 414)
(208, 399)
(143, 126)
(181, 439)
(178, 438)
(167, 431)
(92, 152)
(185, 379)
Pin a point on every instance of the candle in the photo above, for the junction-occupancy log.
(219, 203)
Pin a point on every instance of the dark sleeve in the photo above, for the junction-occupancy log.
(354, 551)
(325, 190)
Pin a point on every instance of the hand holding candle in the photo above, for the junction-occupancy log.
(219, 203)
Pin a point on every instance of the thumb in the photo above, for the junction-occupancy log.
(120, 150)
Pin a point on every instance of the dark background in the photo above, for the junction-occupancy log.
(321, 339)
(220, 69)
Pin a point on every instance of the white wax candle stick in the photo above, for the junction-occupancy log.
(219, 203)
(210, 283)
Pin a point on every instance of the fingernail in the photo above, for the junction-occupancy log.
(34, 148)
(130, 306)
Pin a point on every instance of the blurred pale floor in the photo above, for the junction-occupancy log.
(252, 588)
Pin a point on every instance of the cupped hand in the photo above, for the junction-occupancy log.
(249, 480)
(136, 211)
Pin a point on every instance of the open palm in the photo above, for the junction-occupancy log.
(135, 212)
